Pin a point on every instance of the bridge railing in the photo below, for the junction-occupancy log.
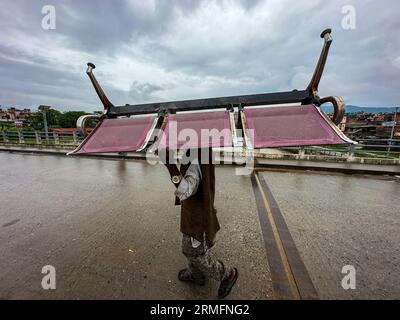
(367, 148)
(375, 148)
(52, 138)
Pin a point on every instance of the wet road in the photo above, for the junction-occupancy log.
(339, 220)
(111, 230)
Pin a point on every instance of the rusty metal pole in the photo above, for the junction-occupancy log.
(319, 69)
(103, 98)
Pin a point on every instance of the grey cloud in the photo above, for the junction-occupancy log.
(143, 92)
(159, 50)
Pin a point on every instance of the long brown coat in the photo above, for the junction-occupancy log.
(198, 215)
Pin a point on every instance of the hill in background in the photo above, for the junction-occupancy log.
(355, 109)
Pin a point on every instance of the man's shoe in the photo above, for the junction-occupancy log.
(186, 275)
(227, 284)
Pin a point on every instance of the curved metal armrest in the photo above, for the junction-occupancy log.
(339, 107)
(83, 120)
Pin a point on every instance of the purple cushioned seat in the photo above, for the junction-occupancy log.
(117, 135)
(197, 130)
(290, 126)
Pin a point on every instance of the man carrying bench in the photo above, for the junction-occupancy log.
(195, 192)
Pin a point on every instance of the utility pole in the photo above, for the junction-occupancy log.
(46, 130)
(393, 126)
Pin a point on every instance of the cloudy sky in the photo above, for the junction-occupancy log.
(149, 51)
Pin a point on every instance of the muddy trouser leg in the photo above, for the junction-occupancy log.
(201, 262)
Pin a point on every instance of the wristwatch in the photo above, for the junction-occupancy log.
(176, 179)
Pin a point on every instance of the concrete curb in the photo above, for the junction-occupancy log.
(258, 165)
(286, 167)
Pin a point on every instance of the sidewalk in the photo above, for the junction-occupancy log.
(261, 163)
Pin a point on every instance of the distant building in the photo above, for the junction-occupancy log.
(363, 125)
(14, 116)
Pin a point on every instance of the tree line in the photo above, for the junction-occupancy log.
(55, 119)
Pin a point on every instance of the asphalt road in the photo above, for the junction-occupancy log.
(110, 229)
(339, 220)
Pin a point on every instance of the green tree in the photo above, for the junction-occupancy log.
(36, 119)
(68, 119)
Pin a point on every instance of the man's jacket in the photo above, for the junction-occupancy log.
(198, 215)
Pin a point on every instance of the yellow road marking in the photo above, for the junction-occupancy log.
(282, 253)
